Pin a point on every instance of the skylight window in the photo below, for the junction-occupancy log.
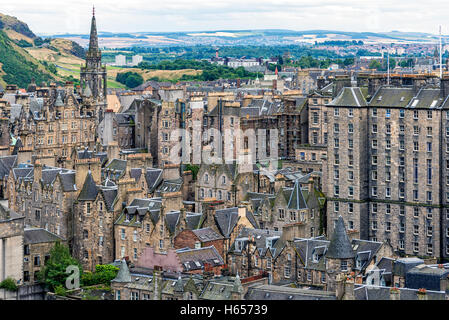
(415, 103)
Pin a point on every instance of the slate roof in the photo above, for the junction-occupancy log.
(297, 200)
(16, 110)
(427, 99)
(392, 97)
(365, 251)
(123, 275)
(193, 220)
(153, 177)
(312, 252)
(39, 235)
(6, 163)
(169, 186)
(7, 213)
(349, 97)
(226, 220)
(22, 172)
(207, 234)
(426, 276)
(219, 288)
(109, 196)
(115, 168)
(89, 191)
(340, 247)
(365, 292)
(135, 173)
(195, 259)
(260, 238)
(403, 265)
(68, 181)
(273, 292)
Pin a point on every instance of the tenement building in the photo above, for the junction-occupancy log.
(388, 166)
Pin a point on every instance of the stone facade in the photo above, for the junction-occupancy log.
(385, 174)
(11, 244)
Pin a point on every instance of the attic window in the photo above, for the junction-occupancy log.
(415, 103)
(402, 99)
(433, 103)
(379, 99)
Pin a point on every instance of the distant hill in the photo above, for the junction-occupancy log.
(12, 23)
(24, 55)
(245, 37)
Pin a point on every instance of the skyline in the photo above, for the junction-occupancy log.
(50, 17)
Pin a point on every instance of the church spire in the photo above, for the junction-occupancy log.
(93, 43)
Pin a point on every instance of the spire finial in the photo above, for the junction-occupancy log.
(93, 10)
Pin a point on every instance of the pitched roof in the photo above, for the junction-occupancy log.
(39, 235)
(194, 259)
(297, 200)
(339, 246)
(226, 220)
(349, 97)
(207, 234)
(89, 191)
(392, 97)
(274, 292)
(123, 275)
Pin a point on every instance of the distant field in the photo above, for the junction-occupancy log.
(69, 65)
(148, 74)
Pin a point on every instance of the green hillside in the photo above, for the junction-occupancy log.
(18, 67)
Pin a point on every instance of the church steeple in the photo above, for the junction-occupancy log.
(93, 73)
(93, 43)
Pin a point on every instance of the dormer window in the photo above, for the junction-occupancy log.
(316, 257)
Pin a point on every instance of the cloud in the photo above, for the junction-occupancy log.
(52, 16)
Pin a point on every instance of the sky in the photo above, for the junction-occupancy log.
(62, 16)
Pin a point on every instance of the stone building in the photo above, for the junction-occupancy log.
(95, 209)
(319, 262)
(225, 182)
(301, 206)
(141, 283)
(11, 244)
(37, 245)
(199, 238)
(44, 196)
(386, 166)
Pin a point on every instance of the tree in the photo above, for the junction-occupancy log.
(8, 284)
(348, 61)
(193, 168)
(103, 274)
(374, 64)
(54, 273)
(134, 80)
